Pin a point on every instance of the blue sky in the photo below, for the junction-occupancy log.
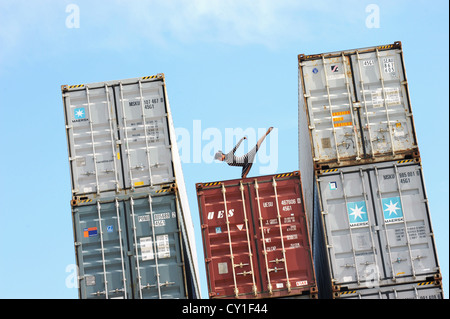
(228, 64)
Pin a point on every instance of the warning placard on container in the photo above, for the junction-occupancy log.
(162, 245)
(146, 244)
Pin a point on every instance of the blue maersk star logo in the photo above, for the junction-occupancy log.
(357, 214)
(79, 113)
(392, 209)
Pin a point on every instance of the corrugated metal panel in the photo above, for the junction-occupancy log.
(256, 238)
(377, 225)
(101, 249)
(145, 143)
(92, 138)
(422, 290)
(131, 248)
(357, 107)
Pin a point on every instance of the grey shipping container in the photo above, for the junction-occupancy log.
(354, 108)
(132, 247)
(118, 135)
(422, 290)
(376, 226)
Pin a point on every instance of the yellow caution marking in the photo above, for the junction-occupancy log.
(149, 77)
(76, 86)
(84, 201)
(405, 161)
(163, 191)
(212, 184)
(348, 292)
(118, 156)
(138, 183)
(425, 283)
(338, 119)
(383, 47)
(330, 170)
(284, 175)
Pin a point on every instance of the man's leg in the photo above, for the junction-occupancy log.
(252, 154)
(246, 169)
(258, 144)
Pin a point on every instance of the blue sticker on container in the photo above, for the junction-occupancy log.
(315, 70)
(218, 230)
(392, 209)
(79, 113)
(90, 232)
(333, 186)
(357, 214)
(110, 228)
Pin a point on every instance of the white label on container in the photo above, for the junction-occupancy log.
(223, 268)
(392, 96)
(336, 76)
(90, 280)
(158, 223)
(368, 62)
(389, 65)
(279, 285)
(146, 244)
(301, 283)
(162, 242)
(144, 218)
(347, 278)
(377, 98)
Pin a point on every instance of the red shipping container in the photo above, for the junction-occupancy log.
(255, 238)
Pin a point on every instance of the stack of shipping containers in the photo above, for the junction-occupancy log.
(363, 179)
(132, 227)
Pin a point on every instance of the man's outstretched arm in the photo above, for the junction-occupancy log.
(238, 143)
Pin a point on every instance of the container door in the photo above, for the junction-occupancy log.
(158, 266)
(283, 239)
(333, 123)
(146, 150)
(385, 110)
(92, 134)
(402, 213)
(101, 247)
(349, 223)
(230, 249)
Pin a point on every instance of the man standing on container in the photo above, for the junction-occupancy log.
(246, 161)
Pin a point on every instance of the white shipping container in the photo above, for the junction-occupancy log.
(377, 225)
(354, 107)
(118, 135)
